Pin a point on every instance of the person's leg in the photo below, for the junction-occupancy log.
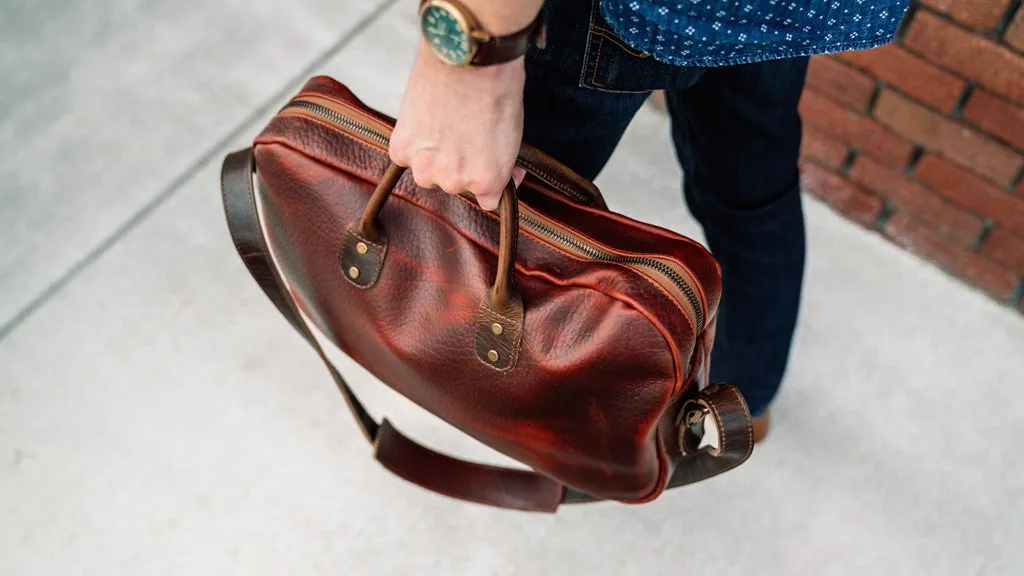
(586, 85)
(737, 135)
(578, 126)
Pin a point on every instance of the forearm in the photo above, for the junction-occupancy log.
(460, 127)
(500, 17)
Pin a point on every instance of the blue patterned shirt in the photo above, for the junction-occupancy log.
(726, 32)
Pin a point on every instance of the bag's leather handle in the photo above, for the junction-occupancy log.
(491, 485)
(503, 291)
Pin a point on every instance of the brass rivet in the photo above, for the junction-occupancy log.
(353, 272)
(497, 329)
(362, 248)
(492, 355)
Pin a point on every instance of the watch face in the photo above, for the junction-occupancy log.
(447, 33)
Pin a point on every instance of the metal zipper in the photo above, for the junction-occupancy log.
(671, 275)
(342, 121)
(382, 139)
(555, 183)
(680, 286)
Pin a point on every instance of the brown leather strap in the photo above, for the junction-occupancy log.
(495, 486)
(507, 48)
(503, 292)
(726, 406)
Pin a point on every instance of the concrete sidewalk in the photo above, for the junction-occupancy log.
(158, 417)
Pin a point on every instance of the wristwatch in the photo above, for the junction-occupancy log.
(455, 36)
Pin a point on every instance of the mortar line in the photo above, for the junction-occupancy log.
(179, 181)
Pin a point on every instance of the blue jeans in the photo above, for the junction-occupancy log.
(736, 132)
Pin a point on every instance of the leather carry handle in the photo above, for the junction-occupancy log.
(490, 485)
(503, 289)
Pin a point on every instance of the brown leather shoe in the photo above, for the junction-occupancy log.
(761, 425)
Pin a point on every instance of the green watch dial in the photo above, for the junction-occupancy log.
(447, 34)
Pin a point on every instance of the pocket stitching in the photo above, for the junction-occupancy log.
(613, 37)
(594, 84)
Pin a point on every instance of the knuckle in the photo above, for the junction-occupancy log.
(450, 178)
(399, 147)
(423, 173)
(398, 155)
(453, 185)
(486, 185)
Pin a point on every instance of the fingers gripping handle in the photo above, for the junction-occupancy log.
(503, 288)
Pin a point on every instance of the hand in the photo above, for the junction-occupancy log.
(459, 129)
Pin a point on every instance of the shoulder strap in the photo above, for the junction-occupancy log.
(492, 485)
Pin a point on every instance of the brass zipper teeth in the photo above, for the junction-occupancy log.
(551, 180)
(593, 252)
(576, 244)
(340, 119)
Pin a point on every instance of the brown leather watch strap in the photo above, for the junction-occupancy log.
(507, 48)
(491, 485)
(501, 49)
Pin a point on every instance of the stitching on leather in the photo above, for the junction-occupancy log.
(519, 340)
(750, 427)
(750, 424)
(381, 252)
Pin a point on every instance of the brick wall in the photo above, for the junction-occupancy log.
(923, 140)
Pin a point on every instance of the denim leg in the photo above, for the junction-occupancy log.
(578, 126)
(737, 135)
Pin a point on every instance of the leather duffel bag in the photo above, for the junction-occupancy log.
(569, 338)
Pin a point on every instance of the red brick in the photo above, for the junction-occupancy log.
(840, 83)
(1015, 33)
(912, 197)
(914, 76)
(950, 255)
(838, 192)
(954, 140)
(971, 192)
(825, 150)
(970, 55)
(977, 14)
(854, 128)
(1005, 248)
(997, 116)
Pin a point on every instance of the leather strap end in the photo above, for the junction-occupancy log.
(501, 487)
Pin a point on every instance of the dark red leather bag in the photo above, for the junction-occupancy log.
(565, 336)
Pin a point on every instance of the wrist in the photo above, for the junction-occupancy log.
(459, 36)
(496, 73)
(501, 17)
